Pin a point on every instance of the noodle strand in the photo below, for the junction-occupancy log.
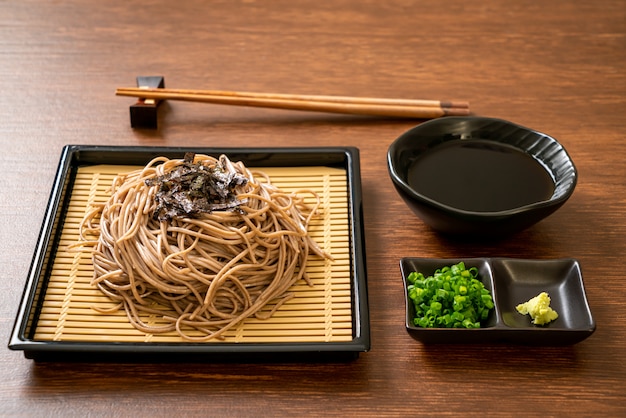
(201, 275)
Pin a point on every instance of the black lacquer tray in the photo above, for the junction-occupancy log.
(327, 322)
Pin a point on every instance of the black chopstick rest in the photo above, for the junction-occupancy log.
(143, 114)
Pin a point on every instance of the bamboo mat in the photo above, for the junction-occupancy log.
(318, 313)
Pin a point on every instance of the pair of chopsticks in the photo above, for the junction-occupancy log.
(400, 108)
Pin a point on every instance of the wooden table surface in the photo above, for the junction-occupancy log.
(557, 67)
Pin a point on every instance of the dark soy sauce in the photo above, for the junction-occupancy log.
(480, 176)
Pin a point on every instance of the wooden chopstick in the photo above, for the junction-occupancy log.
(404, 108)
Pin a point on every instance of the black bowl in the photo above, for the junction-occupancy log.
(512, 202)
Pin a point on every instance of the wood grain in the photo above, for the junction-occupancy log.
(557, 67)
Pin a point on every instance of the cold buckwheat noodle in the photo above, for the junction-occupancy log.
(203, 273)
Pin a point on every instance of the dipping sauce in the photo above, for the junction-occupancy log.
(480, 176)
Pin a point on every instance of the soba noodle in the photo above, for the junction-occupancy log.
(203, 274)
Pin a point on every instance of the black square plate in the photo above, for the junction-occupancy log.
(75, 156)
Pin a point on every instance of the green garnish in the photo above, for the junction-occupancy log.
(452, 297)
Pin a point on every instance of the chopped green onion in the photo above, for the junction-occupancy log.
(452, 297)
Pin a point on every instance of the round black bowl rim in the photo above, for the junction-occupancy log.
(396, 178)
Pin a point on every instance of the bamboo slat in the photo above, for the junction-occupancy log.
(318, 313)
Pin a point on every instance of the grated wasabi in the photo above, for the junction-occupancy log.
(539, 309)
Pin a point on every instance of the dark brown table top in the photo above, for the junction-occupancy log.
(557, 67)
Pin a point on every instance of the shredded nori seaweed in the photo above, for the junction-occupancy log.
(194, 188)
